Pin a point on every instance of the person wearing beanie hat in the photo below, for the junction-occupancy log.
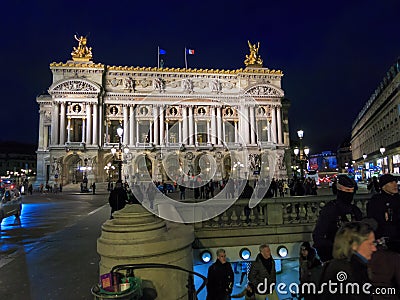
(334, 215)
(387, 178)
(385, 209)
(310, 267)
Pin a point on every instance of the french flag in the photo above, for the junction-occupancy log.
(189, 51)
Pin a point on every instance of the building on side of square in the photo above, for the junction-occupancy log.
(378, 126)
(176, 121)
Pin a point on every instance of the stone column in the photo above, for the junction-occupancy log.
(195, 132)
(184, 125)
(46, 137)
(100, 123)
(273, 112)
(166, 134)
(162, 123)
(155, 118)
(107, 140)
(213, 126)
(135, 236)
(126, 127)
(83, 129)
(180, 132)
(54, 124)
(224, 131)
(132, 125)
(95, 125)
(269, 130)
(137, 132)
(252, 126)
(236, 131)
(208, 132)
(246, 134)
(151, 133)
(69, 130)
(219, 126)
(89, 123)
(62, 124)
(191, 140)
(279, 122)
(41, 130)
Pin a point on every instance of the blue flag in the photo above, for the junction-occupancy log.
(162, 51)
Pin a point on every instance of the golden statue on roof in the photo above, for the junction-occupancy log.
(82, 52)
(253, 59)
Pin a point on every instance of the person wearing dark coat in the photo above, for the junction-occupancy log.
(262, 274)
(309, 268)
(347, 272)
(385, 209)
(118, 198)
(220, 278)
(385, 272)
(334, 215)
(374, 186)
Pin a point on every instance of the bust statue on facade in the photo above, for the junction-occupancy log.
(253, 59)
(82, 52)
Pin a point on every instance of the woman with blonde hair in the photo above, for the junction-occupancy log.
(347, 273)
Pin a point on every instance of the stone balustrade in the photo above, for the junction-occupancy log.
(283, 220)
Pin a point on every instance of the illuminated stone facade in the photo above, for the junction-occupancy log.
(176, 122)
(378, 125)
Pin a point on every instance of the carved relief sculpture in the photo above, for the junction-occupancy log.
(216, 86)
(187, 85)
(159, 85)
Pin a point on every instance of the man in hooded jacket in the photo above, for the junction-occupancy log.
(334, 215)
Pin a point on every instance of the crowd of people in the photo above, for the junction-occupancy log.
(359, 255)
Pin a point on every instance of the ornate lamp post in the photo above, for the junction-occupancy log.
(363, 169)
(108, 168)
(301, 153)
(117, 153)
(238, 166)
(382, 151)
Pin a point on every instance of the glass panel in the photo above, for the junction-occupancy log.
(76, 130)
(173, 132)
(262, 130)
(144, 134)
(202, 131)
(229, 132)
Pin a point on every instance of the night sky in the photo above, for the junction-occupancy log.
(333, 53)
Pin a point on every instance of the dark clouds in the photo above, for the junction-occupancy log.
(333, 54)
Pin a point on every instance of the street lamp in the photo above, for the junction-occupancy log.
(364, 158)
(109, 170)
(117, 153)
(382, 151)
(301, 153)
(238, 165)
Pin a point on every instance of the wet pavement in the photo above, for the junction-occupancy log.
(52, 253)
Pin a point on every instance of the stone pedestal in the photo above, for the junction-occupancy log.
(137, 236)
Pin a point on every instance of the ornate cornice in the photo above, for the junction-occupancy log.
(72, 64)
(197, 71)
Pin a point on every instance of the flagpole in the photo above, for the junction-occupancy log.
(158, 57)
(185, 59)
